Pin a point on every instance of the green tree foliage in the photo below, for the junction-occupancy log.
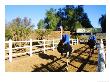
(41, 24)
(8, 33)
(51, 19)
(102, 22)
(67, 18)
(78, 25)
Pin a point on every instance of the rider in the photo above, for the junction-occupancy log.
(65, 40)
(92, 42)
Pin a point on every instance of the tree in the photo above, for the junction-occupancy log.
(102, 22)
(85, 21)
(82, 17)
(78, 25)
(26, 22)
(79, 12)
(51, 19)
(8, 33)
(41, 24)
(18, 29)
(16, 22)
(66, 15)
(70, 16)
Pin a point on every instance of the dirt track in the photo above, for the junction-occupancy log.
(52, 61)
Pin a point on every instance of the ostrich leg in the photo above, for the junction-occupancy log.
(67, 56)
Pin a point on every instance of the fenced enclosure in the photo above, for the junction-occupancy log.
(31, 46)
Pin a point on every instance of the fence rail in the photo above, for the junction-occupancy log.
(42, 43)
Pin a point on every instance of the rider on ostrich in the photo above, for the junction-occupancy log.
(64, 42)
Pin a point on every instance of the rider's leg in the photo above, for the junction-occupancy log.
(90, 51)
(69, 48)
(67, 55)
(61, 54)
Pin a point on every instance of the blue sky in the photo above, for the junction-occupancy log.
(37, 12)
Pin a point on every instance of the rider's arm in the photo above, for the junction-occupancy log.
(94, 37)
(66, 39)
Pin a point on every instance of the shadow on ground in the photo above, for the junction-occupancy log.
(59, 64)
(45, 56)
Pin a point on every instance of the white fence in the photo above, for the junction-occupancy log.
(42, 43)
(101, 57)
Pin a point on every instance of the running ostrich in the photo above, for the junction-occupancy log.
(64, 45)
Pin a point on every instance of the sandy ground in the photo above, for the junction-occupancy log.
(79, 61)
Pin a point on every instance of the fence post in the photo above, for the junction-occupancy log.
(10, 50)
(53, 43)
(72, 42)
(101, 57)
(101, 41)
(77, 40)
(30, 47)
(44, 44)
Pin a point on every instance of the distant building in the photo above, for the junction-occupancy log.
(88, 30)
